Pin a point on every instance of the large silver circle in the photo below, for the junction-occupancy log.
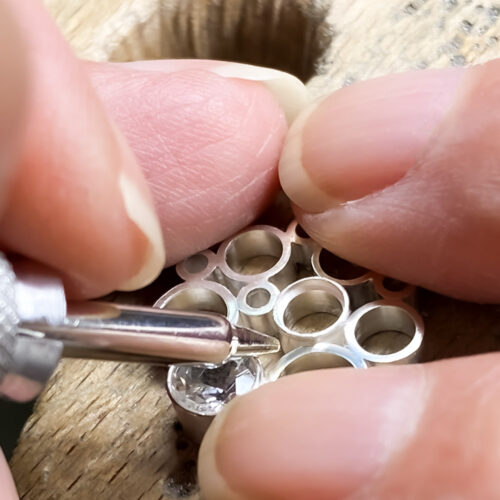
(201, 296)
(383, 316)
(302, 353)
(260, 242)
(307, 297)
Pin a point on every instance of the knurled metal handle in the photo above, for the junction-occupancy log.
(9, 318)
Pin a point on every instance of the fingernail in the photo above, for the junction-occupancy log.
(140, 210)
(139, 206)
(323, 434)
(289, 91)
(365, 137)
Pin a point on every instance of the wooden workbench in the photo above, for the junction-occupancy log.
(106, 430)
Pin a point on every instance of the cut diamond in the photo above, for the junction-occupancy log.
(204, 388)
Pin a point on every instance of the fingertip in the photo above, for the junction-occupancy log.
(212, 484)
(209, 145)
(13, 85)
(7, 486)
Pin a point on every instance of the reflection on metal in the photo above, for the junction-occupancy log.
(326, 311)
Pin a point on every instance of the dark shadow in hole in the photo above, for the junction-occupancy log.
(291, 36)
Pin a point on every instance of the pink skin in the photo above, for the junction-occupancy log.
(424, 190)
(208, 145)
(216, 140)
(421, 431)
(436, 431)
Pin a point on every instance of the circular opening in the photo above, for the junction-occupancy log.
(254, 252)
(393, 285)
(385, 330)
(258, 298)
(312, 311)
(196, 263)
(316, 361)
(299, 231)
(197, 299)
(339, 268)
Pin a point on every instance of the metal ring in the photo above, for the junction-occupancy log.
(385, 316)
(307, 297)
(305, 352)
(260, 241)
(392, 289)
(297, 234)
(198, 266)
(256, 303)
(354, 274)
(201, 296)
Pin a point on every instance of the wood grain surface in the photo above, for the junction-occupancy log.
(106, 430)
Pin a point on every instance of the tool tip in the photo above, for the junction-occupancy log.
(253, 343)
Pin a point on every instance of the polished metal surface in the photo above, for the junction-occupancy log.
(27, 359)
(309, 311)
(357, 281)
(315, 357)
(385, 332)
(37, 326)
(92, 329)
(284, 284)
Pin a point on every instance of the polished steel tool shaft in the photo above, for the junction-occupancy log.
(38, 326)
(103, 330)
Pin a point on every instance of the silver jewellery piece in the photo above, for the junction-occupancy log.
(326, 312)
(9, 318)
(315, 357)
(199, 391)
(385, 332)
(309, 311)
(392, 289)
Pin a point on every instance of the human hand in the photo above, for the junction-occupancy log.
(400, 175)
(110, 171)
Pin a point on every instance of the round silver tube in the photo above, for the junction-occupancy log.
(256, 303)
(357, 280)
(198, 266)
(316, 357)
(393, 289)
(261, 253)
(385, 332)
(309, 311)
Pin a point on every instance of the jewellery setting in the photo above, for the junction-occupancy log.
(326, 312)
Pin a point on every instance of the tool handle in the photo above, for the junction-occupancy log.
(26, 362)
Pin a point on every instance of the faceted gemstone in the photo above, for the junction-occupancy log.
(205, 388)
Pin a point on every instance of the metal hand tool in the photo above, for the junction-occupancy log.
(38, 326)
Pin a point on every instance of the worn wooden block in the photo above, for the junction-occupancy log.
(106, 430)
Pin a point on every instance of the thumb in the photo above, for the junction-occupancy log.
(416, 431)
(400, 174)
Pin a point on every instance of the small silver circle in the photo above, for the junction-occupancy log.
(197, 266)
(392, 289)
(257, 299)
